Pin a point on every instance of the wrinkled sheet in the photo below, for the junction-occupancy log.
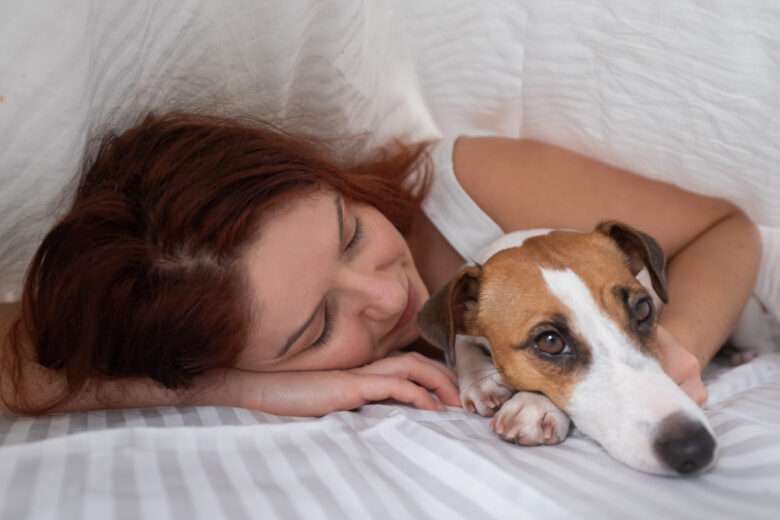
(384, 461)
(679, 90)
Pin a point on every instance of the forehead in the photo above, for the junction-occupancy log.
(513, 278)
(287, 263)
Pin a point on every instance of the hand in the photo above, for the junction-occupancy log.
(409, 378)
(682, 366)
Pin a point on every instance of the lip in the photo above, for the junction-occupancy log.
(412, 304)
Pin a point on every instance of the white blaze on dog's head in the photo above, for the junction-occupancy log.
(624, 399)
(564, 315)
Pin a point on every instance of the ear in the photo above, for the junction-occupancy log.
(641, 250)
(445, 314)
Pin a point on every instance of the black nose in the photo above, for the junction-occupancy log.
(683, 444)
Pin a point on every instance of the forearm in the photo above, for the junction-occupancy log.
(709, 281)
(129, 393)
(40, 387)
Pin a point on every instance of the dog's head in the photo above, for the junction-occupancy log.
(564, 314)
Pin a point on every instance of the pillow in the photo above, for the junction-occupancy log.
(72, 71)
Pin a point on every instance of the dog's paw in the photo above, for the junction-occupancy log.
(740, 357)
(531, 419)
(735, 356)
(484, 395)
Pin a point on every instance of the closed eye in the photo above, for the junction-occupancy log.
(327, 328)
(357, 236)
(349, 248)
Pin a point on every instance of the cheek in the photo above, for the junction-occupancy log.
(524, 371)
(251, 358)
(350, 348)
(353, 348)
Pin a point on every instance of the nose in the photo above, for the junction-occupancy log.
(685, 445)
(381, 295)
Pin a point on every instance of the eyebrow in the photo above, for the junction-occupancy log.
(305, 325)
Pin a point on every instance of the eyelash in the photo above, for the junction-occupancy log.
(357, 236)
(327, 328)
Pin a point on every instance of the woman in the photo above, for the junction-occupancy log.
(211, 261)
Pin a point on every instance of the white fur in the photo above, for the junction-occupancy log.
(526, 418)
(482, 389)
(754, 331)
(625, 394)
(530, 419)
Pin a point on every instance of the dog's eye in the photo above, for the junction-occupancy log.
(643, 310)
(550, 343)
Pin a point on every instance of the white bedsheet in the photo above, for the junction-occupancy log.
(385, 461)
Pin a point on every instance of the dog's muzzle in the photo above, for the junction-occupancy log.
(684, 444)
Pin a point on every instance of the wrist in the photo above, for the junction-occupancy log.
(679, 334)
(217, 387)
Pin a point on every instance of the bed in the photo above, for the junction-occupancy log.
(383, 461)
(681, 91)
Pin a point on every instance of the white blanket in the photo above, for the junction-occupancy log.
(679, 90)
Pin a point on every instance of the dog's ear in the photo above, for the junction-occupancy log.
(642, 251)
(445, 314)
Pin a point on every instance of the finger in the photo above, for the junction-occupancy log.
(413, 368)
(379, 388)
(432, 362)
(444, 369)
(696, 390)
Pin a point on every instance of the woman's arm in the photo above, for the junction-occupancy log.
(409, 378)
(41, 385)
(713, 248)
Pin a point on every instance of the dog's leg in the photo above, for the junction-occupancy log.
(530, 419)
(482, 389)
(752, 335)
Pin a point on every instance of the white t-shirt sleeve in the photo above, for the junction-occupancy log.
(457, 217)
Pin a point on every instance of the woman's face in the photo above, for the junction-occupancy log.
(334, 286)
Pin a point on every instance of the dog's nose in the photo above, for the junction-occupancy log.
(685, 445)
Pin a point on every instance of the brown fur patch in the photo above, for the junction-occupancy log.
(514, 299)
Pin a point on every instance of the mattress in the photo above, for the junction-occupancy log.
(383, 461)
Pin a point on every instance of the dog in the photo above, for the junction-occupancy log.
(550, 326)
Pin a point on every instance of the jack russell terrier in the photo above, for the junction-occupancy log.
(552, 325)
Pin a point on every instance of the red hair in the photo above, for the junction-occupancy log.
(141, 276)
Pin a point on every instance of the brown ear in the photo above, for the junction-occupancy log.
(444, 314)
(642, 251)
